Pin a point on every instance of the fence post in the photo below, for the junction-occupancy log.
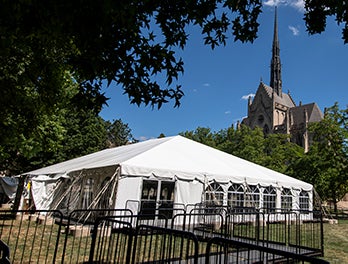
(94, 238)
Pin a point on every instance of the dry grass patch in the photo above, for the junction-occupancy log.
(336, 242)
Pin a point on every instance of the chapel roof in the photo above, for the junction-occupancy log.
(285, 99)
(313, 112)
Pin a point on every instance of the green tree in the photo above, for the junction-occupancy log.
(85, 133)
(318, 11)
(32, 127)
(67, 129)
(128, 42)
(279, 152)
(118, 133)
(248, 144)
(202, 135)
(325, 165)
(273, 151)
(161, 135)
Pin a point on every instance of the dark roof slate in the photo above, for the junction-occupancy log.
(313, 112)
(285, 99)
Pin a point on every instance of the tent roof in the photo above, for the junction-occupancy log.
(176, 157)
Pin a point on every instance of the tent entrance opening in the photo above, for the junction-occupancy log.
(157, 198)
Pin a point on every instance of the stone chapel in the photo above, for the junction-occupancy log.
(275, 111)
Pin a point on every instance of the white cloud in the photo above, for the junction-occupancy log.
(295, 30)
(227, 112)
(297, 4)
(272, 2)
(246, 97)
(206, 84)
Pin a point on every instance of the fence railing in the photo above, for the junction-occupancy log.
(222, 250)
(122, 237)
(4, 253)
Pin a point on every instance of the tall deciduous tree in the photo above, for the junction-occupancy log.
(326, 163)
(128, 42)
(118, 133)
(202, 135)
(110, 41)
(273, 151)
(67, 129)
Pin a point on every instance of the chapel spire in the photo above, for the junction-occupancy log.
(276, 71)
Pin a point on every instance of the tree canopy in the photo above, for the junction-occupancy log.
(273, 151)
(35, 136)
(325, 165)
(127, 42)
(47, 47)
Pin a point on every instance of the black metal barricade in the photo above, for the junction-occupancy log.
(78, 227)
(203, 225)
(119, 236)
(32, 236)
(4, 253)
(245, 223)
(163, 245)
(222, 250)
(112, 241)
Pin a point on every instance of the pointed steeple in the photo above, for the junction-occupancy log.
(276, 71)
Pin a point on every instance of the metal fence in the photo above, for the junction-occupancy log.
(222, 250)
(4, 253)
(119, 236)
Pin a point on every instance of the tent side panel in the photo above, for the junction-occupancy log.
(129, 189)
(188, 192)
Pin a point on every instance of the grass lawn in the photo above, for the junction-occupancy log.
(336, 242)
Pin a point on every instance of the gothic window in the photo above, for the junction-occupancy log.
(252, 196)
(304, 200)
(265, 130)
(277, 118)
(260, 119)
(214, 194)
(269, 198)
(235, 195)
(286, 199)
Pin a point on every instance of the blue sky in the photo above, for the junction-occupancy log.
(217, 82)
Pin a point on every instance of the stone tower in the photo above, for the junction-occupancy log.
(275, 111)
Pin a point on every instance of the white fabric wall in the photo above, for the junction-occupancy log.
(129, 188)
(42, 190)
(188, 192)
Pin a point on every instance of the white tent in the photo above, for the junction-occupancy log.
(172, 169)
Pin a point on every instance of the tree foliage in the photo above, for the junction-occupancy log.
(128, 42)
(45, 46)
(326, 163)
(273, 151)
(66, 130)
(118, 133)
(318, 11)
(113, 41)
